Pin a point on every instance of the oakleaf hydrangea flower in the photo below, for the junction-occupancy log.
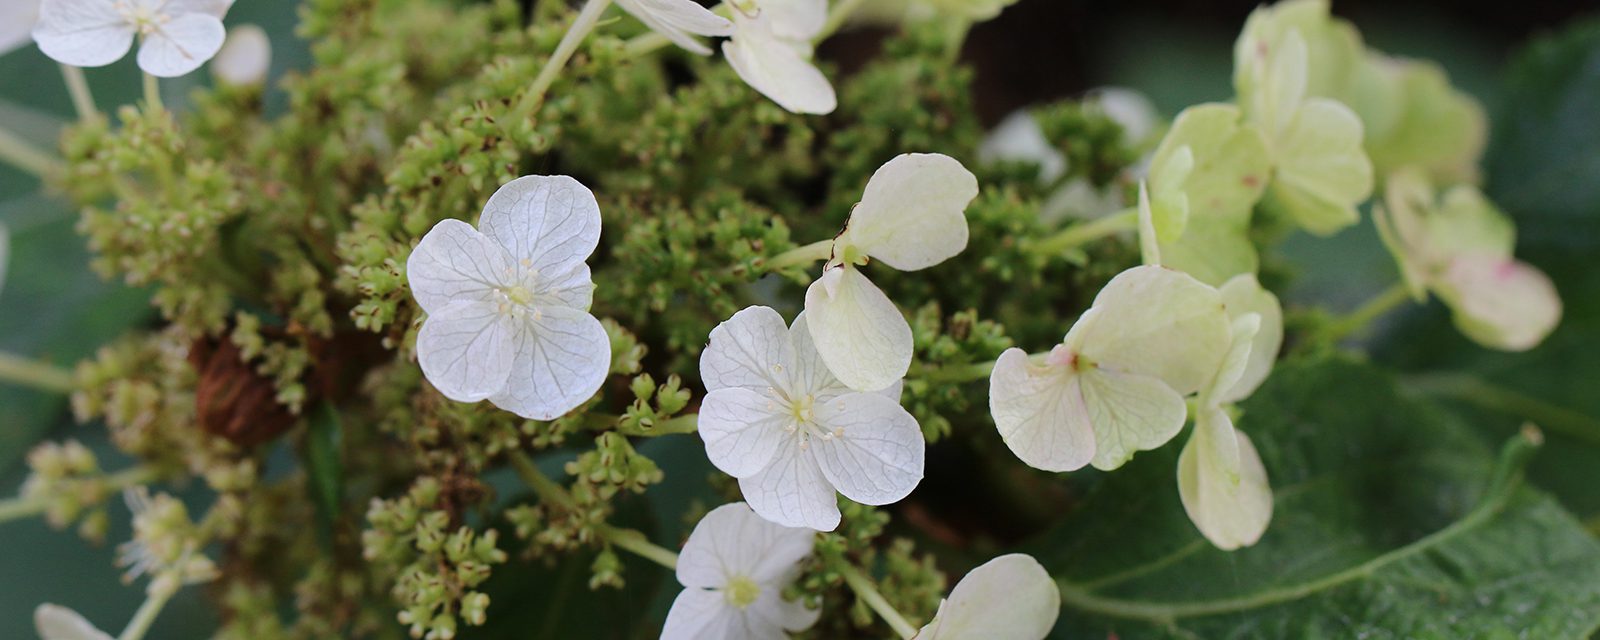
(680, 21)
(177, 36)
(508, 302)
(1010, 597)
(1205, 178)
(771, 50)
(912, 216)
(17, 18)
(1460, 247)
(734, 569)
(1320, 170)
(775, 418)
(1116, 384)
(55, 622)
(246, 57)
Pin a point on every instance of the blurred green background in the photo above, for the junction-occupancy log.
(1543, 167)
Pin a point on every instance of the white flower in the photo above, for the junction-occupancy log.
(734, 569)
(1243, 295)
(1115, 386)
(1008, 598)
(177, 35)
(507, 307)
(17, 18)
(680, 21)
(771, 50)
(776, 419)
(1019, 138)
(911, 217)
(245, 58)
(1460, 247)
(54, 622)
(1129, 108)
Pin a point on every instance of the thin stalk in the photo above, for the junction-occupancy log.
(152, 93)
(636, 543)
(153, 603)
(1370, 310)
(804, 255)
(25, 156)
(1085, 232)
(964, 372)
(548, 491)
(35, 374)
(687, 423)
(836, 19)
(82, 98)
(643, 45)
(581, 27)
(18, 508)
(868, 592)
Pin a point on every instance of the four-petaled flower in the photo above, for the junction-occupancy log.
(1010, 597)
(55, 622)
(680, 21)
(508, 307)
(776, 419)
(734, 569)
(178, 35)
(1460, 247)
(912, 216)
(771, 50)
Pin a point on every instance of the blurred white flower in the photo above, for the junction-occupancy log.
(775, 418)
(245, 58)
(17, 18)
(771, 51)
(734, 569)
(680, 21)
(912, 216)
(508, 307)
(177, 36)
(55, 622)
(1019, 138)
(1010, 597)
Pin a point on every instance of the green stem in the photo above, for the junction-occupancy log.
(1482, 394)
(548, 491)
(1363, 315)
(868, 592)
(964, 372)
(82, 98)
(635, 542)
(38, 375)
(18, 508)
(152, 93)
(801, 256)
(687, 423)
(643, 45)
(581, 27)
(836, 19)
(1503, 482)
(161, 591)
(1085, 232)
(1147, 568)
(21, 154)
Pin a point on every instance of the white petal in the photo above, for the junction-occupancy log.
(732, 540)
(876, 454)
(1130, 413)
(680, 21)
(809, 375)
(748, 350)
(55, 622)
(770, 613)
(913, 214)
(17, 18)
(1130, 109)
(861, 335)
(574, 288)
(778, 69)
(1019, 138)
(743, 429)
(1149, 241)
(181, 45)
(795, 19)
(82, 33)
(560, 363)
(1157, 322)
(700, 614)
(1010, 597)
(466, 349)
(245, 58)
(455, 262)
(792, 491)
(547, 223)
(1244, 328)
(214, 8)
(1040, 413)
(1223, 483)
(1499, 302)
(1243, 294)
(1322, 172)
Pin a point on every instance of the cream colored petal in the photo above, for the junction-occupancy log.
(743, 429)
(1223, 483)
(1157, 322)
(1499, 302)
(860, 334)
(83, 33)
(1040, 413)
(1130, 413)
(780, 69)
(732, 541)
(1243, 294)
(455, 262)
(1010, 597)
(54, 622)
(913, 213)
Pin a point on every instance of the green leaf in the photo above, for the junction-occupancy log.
(1390, 522)
(324, 466)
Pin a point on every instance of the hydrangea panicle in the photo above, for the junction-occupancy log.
(508, 303)
(177, 35)
(1010, 597)
(734, 569)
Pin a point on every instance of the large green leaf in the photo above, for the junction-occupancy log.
(1388, 524)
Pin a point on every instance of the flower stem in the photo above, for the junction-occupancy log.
(687, 423)
(38, 375)
(868, 592)
(18, 508)
(581, 27)
(1370, 310)
(152, 93)
(964, 372)
(1085, 232)
(548, 490)
(161, 591)
(836, 19)
(643, 45)
(636, 543)
(21, 154)
(798, 256)
(82, 98)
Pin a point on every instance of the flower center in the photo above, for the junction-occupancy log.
(516, 300)
(852, 255)
(144, 17)
(741, 592)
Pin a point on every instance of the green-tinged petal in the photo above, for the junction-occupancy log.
(1157, 322)
(1244, 295)
(1322, 174)
(913, 213)
(1333, 46)
(1010, 597)
(1436, 127)
(1212, 251)
(1130, 413)
(1223, 483)
(1228, 167)
(1466, 222)
(1244, 327)
(1149, 236)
